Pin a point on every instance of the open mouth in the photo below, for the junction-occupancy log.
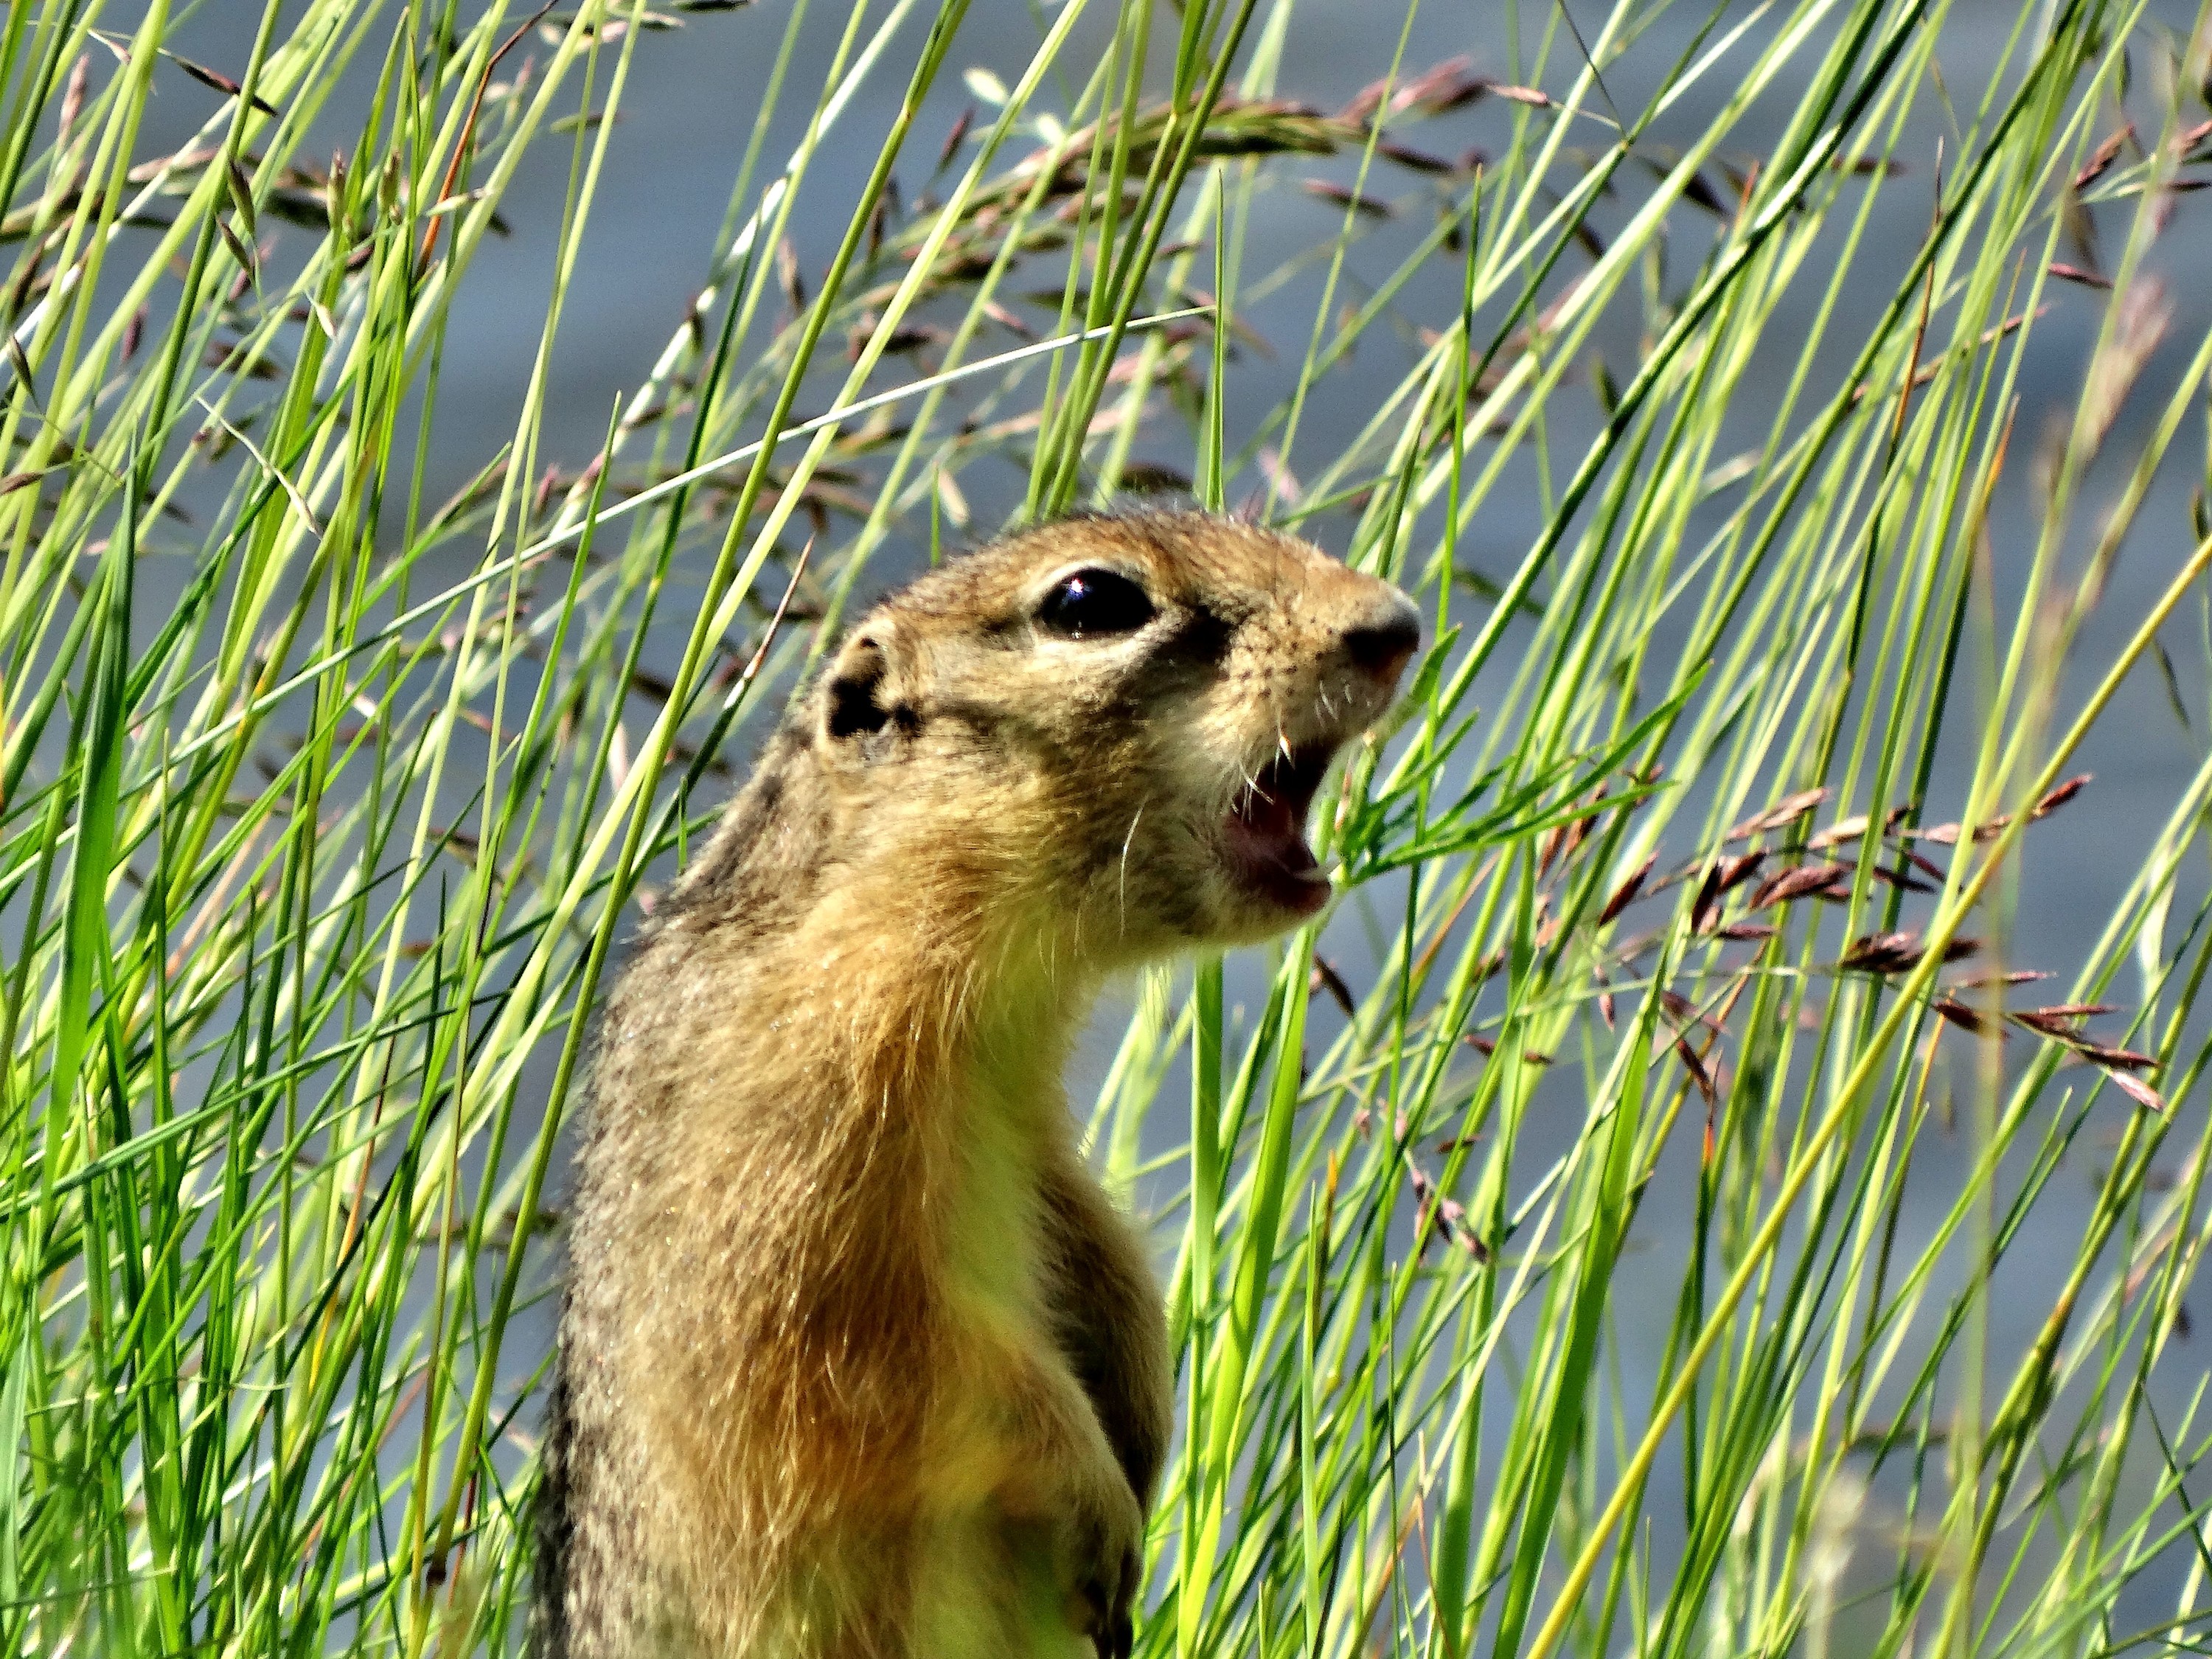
(1267, 830)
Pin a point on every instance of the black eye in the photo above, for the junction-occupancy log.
(1095, 602)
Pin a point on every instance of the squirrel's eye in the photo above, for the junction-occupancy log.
(1095, 602)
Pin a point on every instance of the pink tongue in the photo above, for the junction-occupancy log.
(1274, 826)
(1275, 856)
(1294, 855)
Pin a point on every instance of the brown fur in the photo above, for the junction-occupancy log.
(858, 1362)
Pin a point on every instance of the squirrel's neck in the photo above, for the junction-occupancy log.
(918, 1046)
(932, 987)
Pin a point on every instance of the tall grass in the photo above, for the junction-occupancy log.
(1654, 1216)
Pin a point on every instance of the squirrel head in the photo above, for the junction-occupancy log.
(1106, 731)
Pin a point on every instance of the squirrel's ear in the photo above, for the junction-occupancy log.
(852, 703)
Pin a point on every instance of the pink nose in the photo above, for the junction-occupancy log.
(1384, 641)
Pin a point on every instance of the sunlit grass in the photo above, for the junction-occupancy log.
(1602, 1237)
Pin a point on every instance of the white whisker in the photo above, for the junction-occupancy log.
(1122, 898)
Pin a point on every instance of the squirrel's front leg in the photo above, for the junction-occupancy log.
(1070, 1521)
(1112, 1329)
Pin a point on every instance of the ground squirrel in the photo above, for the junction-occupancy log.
(857, 1361)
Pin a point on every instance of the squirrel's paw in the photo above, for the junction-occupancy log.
(1108, 1551)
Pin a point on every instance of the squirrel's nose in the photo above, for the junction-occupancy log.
(1383, 641)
